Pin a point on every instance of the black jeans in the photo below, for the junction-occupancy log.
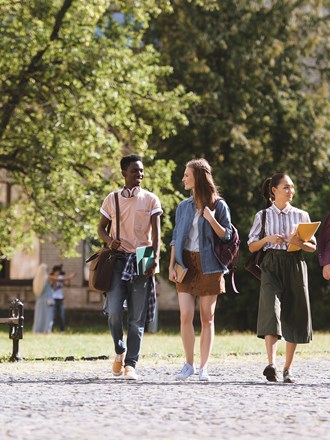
(59, 314)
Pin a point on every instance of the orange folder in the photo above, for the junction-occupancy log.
(306, 232)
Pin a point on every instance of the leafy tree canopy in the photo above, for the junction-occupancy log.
(261, 72)
(78, 90)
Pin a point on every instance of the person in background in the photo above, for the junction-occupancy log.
(284, 307)
(140, 212)
(197, 220)
(59, 279)
(324, 248)
(44, 307)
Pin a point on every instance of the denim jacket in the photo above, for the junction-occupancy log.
(184, 216)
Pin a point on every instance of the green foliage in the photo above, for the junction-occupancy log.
(244, 84)
(261, 73)
(260, 70)
(78, 90)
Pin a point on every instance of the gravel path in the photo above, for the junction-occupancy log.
(81, 400)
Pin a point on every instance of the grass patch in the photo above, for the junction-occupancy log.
(167, 346)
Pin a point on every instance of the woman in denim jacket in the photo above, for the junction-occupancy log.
(197, 220)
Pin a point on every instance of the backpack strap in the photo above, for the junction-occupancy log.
(234, 264)
(233, 282)
(263, 224)
(235, 260)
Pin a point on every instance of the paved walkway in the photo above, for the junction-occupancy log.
(80, 400)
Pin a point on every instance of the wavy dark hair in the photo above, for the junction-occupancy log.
(205, 192)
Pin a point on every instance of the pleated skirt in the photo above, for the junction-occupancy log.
(284, 306)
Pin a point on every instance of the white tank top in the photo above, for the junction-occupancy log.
(192, 243)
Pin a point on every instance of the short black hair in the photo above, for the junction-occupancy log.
(126, 160)
(58, 268)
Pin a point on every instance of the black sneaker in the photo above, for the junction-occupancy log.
(270, 373)
(288, 377)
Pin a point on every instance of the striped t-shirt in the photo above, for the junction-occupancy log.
(278, 222)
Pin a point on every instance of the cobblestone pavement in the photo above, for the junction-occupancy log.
(81, 400)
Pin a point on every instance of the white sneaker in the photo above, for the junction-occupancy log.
(129, 373)
(288, 376)
(204, 375)
(187, 370)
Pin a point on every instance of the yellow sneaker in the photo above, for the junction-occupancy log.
(118, 365)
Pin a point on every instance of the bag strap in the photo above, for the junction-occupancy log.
(117, 216)
(234, 262)
(263, 224)
(108, 228)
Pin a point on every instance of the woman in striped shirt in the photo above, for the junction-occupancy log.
(284, 307)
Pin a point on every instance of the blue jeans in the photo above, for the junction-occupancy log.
(135, 293)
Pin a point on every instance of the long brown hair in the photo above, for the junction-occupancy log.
(205, 192)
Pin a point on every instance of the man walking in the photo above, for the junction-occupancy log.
(139, 220)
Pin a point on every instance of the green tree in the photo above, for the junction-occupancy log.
(78, 90)
(261, 72)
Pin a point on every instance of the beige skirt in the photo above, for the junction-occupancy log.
(196, 282)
